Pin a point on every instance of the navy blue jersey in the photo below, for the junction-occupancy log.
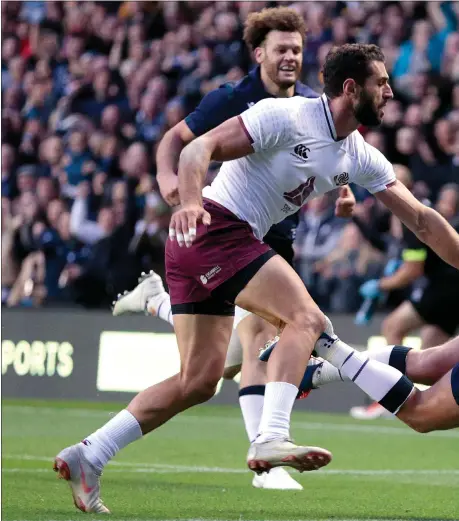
(230, 100)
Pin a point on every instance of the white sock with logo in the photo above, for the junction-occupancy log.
(328, 373)
(373, 377)
(160, 306)
(277, 408)
(100, 447)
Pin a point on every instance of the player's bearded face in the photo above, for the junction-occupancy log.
(367, 111)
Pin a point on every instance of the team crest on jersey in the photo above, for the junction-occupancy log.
(341, 179)
(300, 194)
(301, 151)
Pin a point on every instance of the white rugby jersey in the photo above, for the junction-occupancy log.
(297, 157)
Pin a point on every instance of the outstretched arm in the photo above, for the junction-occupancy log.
(167, 158)
(428, 225)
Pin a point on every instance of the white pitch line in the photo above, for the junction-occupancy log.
(164, 468)
(356, 428)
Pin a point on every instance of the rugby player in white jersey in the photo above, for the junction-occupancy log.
(279, 153)
(275, 36)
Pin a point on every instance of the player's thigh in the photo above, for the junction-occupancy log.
(436, 408)
(202, 342)
(403, 319)
(432, 335)
(277, 294)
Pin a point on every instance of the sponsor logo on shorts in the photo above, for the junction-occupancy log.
(341, 179)
(205, 278)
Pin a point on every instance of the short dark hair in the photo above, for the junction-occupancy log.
(351, 60)
(259, 24)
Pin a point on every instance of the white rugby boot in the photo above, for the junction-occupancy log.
(150, 286)
(262, 457)
(84, 480)
(277, 479)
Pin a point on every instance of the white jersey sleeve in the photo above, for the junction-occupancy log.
(375, 172)
(270, 123)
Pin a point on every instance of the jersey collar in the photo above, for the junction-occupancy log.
(255, 75)
(329, 117)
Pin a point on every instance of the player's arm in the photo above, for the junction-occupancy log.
(167, 158)
(408, 272)
(228, 141)
(213, 110)
(414, 256)
(265, 125)
(427, 224)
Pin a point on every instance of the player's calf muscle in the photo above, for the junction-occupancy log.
(428, 366)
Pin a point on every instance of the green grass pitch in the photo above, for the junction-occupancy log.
(194, 468)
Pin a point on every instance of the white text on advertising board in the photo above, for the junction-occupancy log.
(37, 358)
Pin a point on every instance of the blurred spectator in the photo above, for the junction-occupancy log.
(77, 161)
(8, 171)
(344, 269)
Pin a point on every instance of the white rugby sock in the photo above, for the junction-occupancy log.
(327, 374)
(160, 306)
(381, 382)
(277, 408)
(102, 445)
(380, 354)
(394, 356)
(252, 410)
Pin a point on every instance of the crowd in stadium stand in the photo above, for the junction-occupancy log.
(89, 88)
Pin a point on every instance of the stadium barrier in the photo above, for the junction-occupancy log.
(90, 355)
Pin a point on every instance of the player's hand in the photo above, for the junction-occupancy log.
(168, 186)
(184, 223)
(345, 203)
(370, 289)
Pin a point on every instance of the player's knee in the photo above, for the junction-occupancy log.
(310, 320)
(230, 372)
(200, 388)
